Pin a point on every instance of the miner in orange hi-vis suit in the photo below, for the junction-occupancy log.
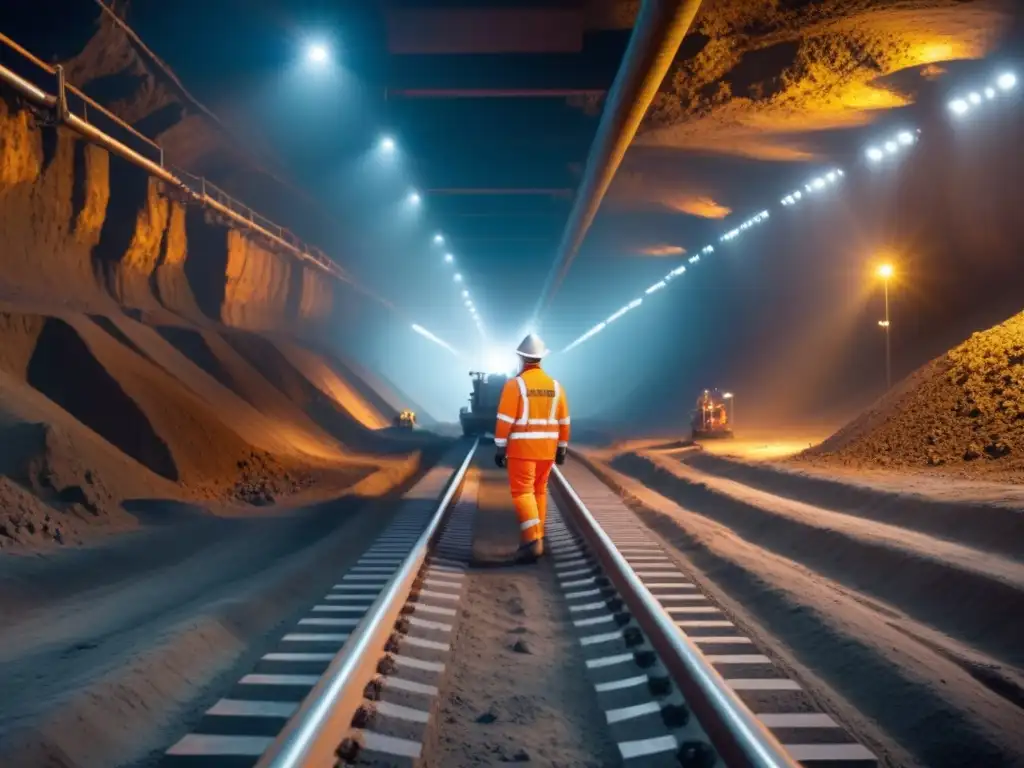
(531, 434)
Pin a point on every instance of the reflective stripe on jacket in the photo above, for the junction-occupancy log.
(533, 416)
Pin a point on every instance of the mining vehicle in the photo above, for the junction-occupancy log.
(479, 417)
(406, 419)
(710, 420)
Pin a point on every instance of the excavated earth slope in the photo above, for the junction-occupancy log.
(963, 412)
(131, 373)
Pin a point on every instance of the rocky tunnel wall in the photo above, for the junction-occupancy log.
(83, 230)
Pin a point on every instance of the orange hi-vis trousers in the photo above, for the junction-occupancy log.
(528, 481)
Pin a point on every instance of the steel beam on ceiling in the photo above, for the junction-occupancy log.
(493, 93)
(517, 191)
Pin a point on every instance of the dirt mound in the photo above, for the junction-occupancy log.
(99, 410)
(340, 388)
(95, 397)
(60, 482)
(332, 404)
(962, 412)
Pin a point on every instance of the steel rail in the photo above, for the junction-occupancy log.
(739, 737)
(313, 734)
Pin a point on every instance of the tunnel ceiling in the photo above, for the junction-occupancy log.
(494, 105)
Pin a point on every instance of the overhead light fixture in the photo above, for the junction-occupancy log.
(1007, 81)
(318, 53)
(959, 106)
(428, 335)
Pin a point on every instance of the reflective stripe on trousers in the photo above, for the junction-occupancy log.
(528, 482)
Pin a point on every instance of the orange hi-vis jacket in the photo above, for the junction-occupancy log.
(533, 416)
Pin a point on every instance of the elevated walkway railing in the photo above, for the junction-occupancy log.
(34, 79)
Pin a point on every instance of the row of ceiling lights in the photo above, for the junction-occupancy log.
(467, 300)
(875, 153)
(319, 55)
(388, 147)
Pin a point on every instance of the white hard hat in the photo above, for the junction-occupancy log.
(532, 347)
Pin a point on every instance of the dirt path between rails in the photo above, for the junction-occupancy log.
(518, 689)
(911, 693)
(112, 674)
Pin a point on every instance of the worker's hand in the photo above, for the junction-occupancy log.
(560, 455)
(499, 458)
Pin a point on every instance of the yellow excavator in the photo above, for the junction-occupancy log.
(710, 420)
(406, 419)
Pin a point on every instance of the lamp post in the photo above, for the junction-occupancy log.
(885, 271)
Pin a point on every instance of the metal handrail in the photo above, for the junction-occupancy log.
(51, 70)
(314, 732)
(198, 188)
(737, 734)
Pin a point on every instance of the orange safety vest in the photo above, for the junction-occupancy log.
(533, 416)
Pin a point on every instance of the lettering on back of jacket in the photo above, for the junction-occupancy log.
(540, 393)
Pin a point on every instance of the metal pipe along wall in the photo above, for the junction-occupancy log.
(659, 31)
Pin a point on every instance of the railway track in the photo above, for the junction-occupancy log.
(357, 681)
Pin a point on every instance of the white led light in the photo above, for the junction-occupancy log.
(427, 334)
(974, 98)
(438, 239)
(616, 315)
(959, 106)
(448, 258)
(1007, 81)
(831, 176)
(656, 287)
(990, 93)
(318, 53)
(458, 277)
(798, 194)
(891, 147)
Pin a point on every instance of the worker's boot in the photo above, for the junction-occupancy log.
(528, 553)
